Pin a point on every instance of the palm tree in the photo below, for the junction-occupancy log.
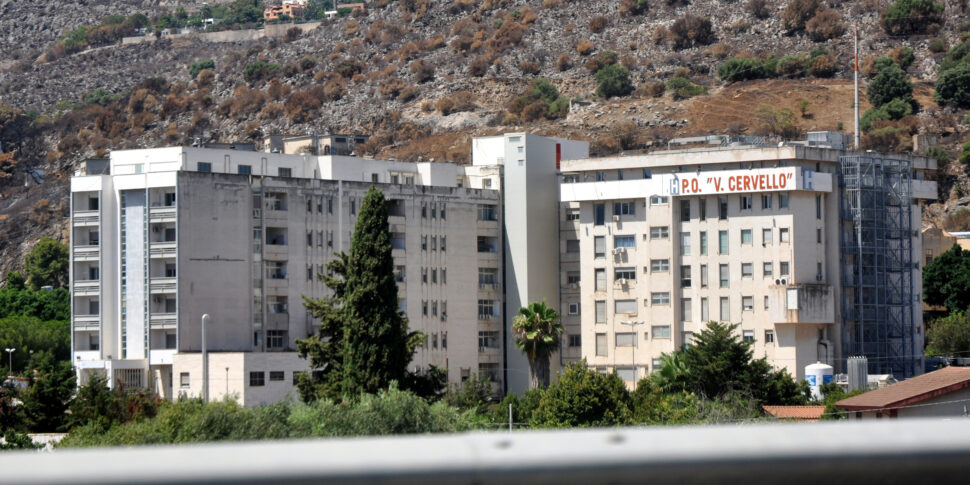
(537, 330)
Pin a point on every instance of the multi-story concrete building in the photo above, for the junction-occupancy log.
(814, 251)
(166, 235)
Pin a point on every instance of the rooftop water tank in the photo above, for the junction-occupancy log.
(817, 374)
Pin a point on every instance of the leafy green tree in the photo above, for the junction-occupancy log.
(949, 336)
(48, 396)
(946, 280)
(15, 281)
(896, 109)
(376, 340)
(537, 330)
(41, 304)
(326, 349)
(613, 80)
(47, 264)
(246, 12)
(891, 83)
(11, 412)
(28, 334)
(741, 69)
(196, 67)
(473, 393)
(583, 397)
(906, 17)
(953, 86)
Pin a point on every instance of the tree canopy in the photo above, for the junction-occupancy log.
(946, 280)
(537, 331)
(47, 264)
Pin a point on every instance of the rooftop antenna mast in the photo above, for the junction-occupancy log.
(856, 90)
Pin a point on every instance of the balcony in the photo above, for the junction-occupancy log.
(87, 253)
(163, 321)
(161, 214)
(801, 303)
(163, 249)
(163, 285)
(87, 322)
(86, 218)
(87, 288)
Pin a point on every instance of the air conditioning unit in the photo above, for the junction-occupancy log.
(777, 281)
(784, 281)
(616, 217)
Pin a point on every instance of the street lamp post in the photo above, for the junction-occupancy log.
(10, 358)
(205, 361)
(636, 343)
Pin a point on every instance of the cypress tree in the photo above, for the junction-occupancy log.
(375, 337)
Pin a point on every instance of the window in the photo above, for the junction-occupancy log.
(685, 276)
(685, 310)
(624, 208)
(619, 174)
(572, 214)
(722, 208)
(599, 214)
(656, 364)
(487, 340)
(746, 237)
(204, 167)
(766, 237)
(684, 244)
(747, 335)
(702, 209)
(659, 232)
(424, 211)
(659, 200)
(766, 302)
(487, 277)
(783, 235)
(443, 241)
(647, 173)
(284, 172)
(600, 311)
(572, 245)
(625, 339)
(766, 270)
(572, 278)
(442, 213)
(600, 176)
(575, 340)
(818, 235)
(257, 379)
(818, 206)
(184, 379)
(724, 275)
(625, 242)
(276, 375)
(629, 306)
(486, 309)
(599, 278)
(766, 201)
(330, 205)
(703, 276)
(782, 201)
(659, 265)
(486, 212)
(244, 169)
(784, 269)
(747, 303)
(573, 309)
(747, 270)
(725, 309)
(660, 298)
(629, 274)
(704, 243)
(685, 210)
(687, 338)
(601, 344)
(660, 331)
(769, 336)
(705, 311)
(424, 243)
(599, 246)
(746, 202)
(722, 242)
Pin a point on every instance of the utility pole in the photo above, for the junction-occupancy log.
(855, 28)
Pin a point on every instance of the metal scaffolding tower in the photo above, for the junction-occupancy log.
(877, 264)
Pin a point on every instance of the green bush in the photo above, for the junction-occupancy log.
(196, 67)
(957, 55)
(891, 83)
(937, 46)
(584, 397)
(965, 154)
(953, 86)
(40, 304)
(906, 17)
(102, 97)
(614, 80)
(260, 70)
(894, 110)
(541, 100)
(741, 69)
(683, 88)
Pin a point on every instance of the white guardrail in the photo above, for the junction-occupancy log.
(885, 451)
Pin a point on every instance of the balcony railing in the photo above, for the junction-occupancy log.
(86, 253)
(162, 214)
(86, 321)
(162, 250)
(86, 287)
(86, 218)
(163, 321)
(163, 285)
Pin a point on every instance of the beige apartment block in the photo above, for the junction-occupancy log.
(654, 246)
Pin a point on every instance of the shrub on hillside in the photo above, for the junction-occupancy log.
(540, 101)
(423, 72)
(613, 80)
(563, 63)
(759, 9)
(797, 14)
(196, 67)
(460, 101)
(822, 66)
(584, 47)
(601, 60)
(260, 70)
(826, 24)
(741, 69)
(937, 46)
(597, 24)
(895, 109)
(529, 67)
(689, 31)
(682, 88)
(903, 57)
(905, 17)
(634, 7)
(479, 66)
(651, 90)
(953, 86)
(891, 83)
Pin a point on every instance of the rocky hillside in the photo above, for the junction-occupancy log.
(424, 76)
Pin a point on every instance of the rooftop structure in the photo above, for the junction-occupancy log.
(945, 392)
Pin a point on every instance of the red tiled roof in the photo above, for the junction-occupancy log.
(910, 391)
(809, 413)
